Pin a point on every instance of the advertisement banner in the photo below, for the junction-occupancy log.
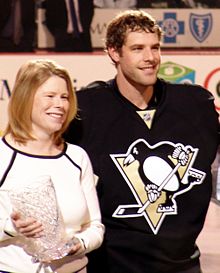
(182, 27)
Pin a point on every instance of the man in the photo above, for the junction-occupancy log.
(17, 25)
(69, 22)
(161, 4)
(151, 144)
(119, 4)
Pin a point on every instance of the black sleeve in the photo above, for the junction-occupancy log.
(77, 130)
(74, 132)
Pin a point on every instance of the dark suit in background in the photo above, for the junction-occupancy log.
(169, 3)
(57, 22)
(28, 24)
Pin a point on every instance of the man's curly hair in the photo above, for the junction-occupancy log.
(129, 21)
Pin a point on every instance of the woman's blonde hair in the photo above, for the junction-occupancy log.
(30, 77)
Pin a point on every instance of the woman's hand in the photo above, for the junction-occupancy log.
(76, 248)
(28, 227)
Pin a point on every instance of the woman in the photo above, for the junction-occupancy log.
(40, 109)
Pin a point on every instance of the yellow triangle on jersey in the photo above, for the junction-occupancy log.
(147, 116)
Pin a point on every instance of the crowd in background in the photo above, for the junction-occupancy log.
(69, 24)
(157, 3)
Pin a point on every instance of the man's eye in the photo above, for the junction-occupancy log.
(137, 48)
(156, 47)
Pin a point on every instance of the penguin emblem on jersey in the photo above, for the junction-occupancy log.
(156, 175)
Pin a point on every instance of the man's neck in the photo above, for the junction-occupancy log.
(139, 95)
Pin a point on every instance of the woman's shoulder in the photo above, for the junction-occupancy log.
(78, 155)
(74, 150)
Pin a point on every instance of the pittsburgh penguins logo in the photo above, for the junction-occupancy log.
(156, 175)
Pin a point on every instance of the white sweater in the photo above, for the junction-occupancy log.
(73, 180)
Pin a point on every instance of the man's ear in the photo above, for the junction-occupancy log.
(113, 54)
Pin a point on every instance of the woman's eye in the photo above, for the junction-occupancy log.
(65, 97)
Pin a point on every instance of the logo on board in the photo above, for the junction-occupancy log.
(171, 27)
(200, 25)
(178, 73)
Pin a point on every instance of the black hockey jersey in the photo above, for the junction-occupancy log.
(154, 174)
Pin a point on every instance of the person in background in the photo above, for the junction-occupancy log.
(203, 3)
(120, 4)
(69, 21)
(17, 26)
(161, 4)
(40, 108)
(151, 144)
